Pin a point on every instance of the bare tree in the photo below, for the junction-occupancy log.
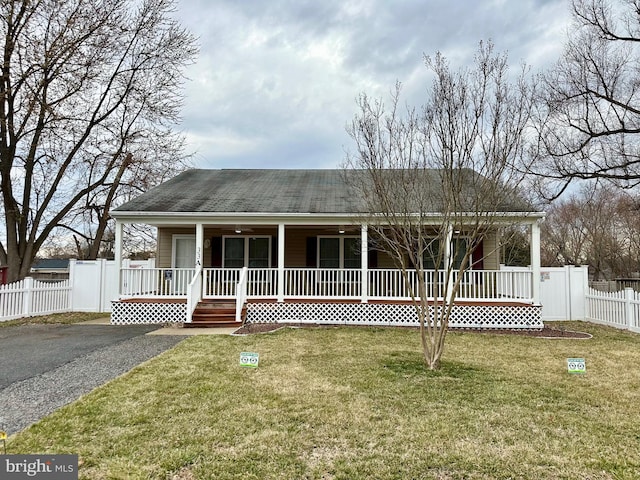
(563, 234)
(597, 226)
(516, 246)
(591, 121)
(154, 160)
(86, 85)
(436, 181)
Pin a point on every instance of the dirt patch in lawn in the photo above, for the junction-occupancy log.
(546, 332)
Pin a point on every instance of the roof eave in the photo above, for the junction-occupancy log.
(262, 217)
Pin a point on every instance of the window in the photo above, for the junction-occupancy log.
(252, 252)
(458, 250)
(233, 252)
(352, 258)
(184, 251)
(259, 252)
(339, 252)
(329, 252)
(431, 255)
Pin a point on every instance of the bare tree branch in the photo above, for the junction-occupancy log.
(86, 86)
(435, 182)
(590, 118)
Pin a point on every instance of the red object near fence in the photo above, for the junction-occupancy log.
(3, 275)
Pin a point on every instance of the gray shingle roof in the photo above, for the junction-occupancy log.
(51, 264)
(261, 191)
(254, 191)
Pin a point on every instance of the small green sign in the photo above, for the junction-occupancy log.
(249, 359)
(576, 365)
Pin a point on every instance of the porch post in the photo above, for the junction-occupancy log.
(364, 263)
(535, 261)
(199, 244)
(449, 273)
(281, 262)
(118, 255)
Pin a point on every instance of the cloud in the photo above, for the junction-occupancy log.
(276, 81)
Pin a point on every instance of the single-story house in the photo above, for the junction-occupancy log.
(50, 269)
(288, 245)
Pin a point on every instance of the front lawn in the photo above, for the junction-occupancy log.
(57, 318)
(349, 403)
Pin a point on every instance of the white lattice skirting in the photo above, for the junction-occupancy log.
(463, 316)
(129, 313)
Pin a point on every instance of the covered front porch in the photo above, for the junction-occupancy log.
(323, 272)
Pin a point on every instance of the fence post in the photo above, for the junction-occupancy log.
(28, 294)
(628, 307)
(72, 276)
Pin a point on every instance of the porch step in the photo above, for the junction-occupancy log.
(212, 314)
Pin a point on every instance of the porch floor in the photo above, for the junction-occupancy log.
(478, 303)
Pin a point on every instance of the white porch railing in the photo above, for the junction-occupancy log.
(496, 285)
(322, 283)
(156, 282)
(194, 293)
(222, 282)
(484, 285)
(241, 297)
(386, 283)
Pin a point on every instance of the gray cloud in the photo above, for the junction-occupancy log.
(276, 80)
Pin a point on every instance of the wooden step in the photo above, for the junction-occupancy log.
(215, 314)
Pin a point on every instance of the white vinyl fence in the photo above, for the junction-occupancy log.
(91, 287)
(562, 291)
(30, 297)
(616, 309)
(93, 284)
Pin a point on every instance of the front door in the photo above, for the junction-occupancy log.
(184, 257)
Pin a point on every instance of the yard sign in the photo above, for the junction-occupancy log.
(576, 365)
(249, 359)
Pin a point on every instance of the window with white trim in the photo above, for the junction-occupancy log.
(432, 253)
(339, 252)
(183, 251)
(246, 251)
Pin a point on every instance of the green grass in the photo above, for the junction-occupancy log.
(349, 403)
(59, 318)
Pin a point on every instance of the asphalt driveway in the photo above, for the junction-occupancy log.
(47, 366)
(30, 350)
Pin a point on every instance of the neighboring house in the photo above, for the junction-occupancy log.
(297, 237)
(50, 269)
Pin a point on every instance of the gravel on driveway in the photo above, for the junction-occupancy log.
(24, 401)
(30, 350)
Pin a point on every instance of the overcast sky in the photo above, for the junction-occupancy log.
(276, 80)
